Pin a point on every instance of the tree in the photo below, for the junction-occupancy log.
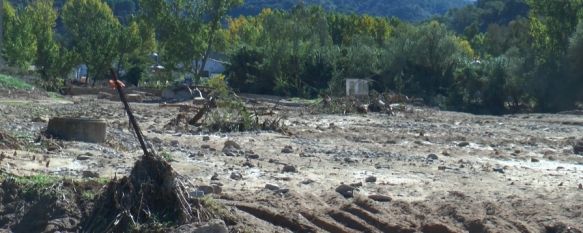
(575, 55)
(93, 30)
(19, 44)
(178, 29)
(217, 10)
(551, 24)
(52, 59)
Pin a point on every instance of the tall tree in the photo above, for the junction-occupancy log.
(217, 10)
(93, 30)
(178, 29)
(19, 44)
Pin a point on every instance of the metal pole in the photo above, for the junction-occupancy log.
(133, 121)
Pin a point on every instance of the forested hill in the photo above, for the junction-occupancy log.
(409, 10)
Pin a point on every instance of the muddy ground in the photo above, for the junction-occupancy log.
(421, 170)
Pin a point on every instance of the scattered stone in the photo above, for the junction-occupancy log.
(272, 187)
(83, 157)
(463, 144)
(282, 191)
(308, 181)
(205, 146)
(499, 170)
(350, 160)
(215, 176)
(231, 144)
(229, 153)
(371, 179)
(289, 168)
(248, 164)
(534, 160)
(356, 185)
(380, 198)
(287, 150)
(441, 168)
(206, 138)
(345, 190)
(580, 186)
(156, 140)
(252, 155)
(578, 148)
(205, 189)
(90, 174)
(174, 143)
(236, 176)
(432, 157)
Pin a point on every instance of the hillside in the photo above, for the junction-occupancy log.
(409, 10)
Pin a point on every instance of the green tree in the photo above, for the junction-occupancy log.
(19, 43)
(93, 30)
(178, 29)
(217, 10)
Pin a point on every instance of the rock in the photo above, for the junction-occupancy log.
(248, 164)
(272, 187)
(380, 198)
(205, 189)
(432, 157)
(174, 143)
(236, 176)
(308, 181)
(83, 157)
(356, 185)
(463, 144)
(289, 168)
(287, 150)
(534, 160)
(345, 190)
(205, 146)
(215, 176)
(206, 138)
(90, 174)
(231, 144)
(441, 168)
(252, 156)
(156, 140)
(213, 226)
(580, 186)
(499, 170)
(231, 148)
(371, 179)
(578, 148)
(230, 153)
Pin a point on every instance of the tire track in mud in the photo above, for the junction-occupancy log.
(275, 218)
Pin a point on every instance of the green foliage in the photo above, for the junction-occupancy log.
(19, 42)
(219, 86)
(9, 82)
(410, 10)
(93, 31)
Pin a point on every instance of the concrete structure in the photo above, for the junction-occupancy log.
(356, 87)
(78, 129)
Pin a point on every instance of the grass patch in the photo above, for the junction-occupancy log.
(10, 82)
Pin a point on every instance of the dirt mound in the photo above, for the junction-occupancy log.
(36, 207)
(151, 195)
